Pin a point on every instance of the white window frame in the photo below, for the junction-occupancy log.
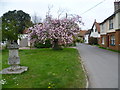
(111, 24)
(112, 40)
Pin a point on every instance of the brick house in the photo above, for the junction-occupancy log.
(110, 30)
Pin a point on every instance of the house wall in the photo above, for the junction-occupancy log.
(25, 41)
(99, 41)
(106, 32)
(86, 38)
(119, 20)
(113, 47)
(94, 33)
(105, 41)
(116, 25)
(103, 28)
(117, 40)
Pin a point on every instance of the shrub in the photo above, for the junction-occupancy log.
(41, 45)
(93, 41)
(79, 40)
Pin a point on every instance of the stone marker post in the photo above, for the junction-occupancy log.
(14, 61)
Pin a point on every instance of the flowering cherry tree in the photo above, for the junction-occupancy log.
(58, 31)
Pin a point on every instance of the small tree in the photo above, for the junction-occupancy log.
(58, 31)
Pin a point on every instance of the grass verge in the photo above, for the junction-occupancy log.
(109, 49)
(47, 69)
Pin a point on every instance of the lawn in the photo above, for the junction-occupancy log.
(47, 69)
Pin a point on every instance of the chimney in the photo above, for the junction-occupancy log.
(95, 20)
(116, 5)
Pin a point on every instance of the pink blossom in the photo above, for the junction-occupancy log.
(61, 29)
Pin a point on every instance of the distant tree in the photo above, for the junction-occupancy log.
(13, 24)
(36, 19)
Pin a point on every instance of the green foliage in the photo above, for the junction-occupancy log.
(109, 49)
(79, 40)
(0, 29)
(72, 45)
(41, 45)
(47, 69)
(0, 35)
(13, 24)
(93, 41)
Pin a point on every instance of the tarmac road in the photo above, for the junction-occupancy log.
(101, 65)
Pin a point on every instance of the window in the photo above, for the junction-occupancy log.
(103, 40)
(112, 39)
(111, 24)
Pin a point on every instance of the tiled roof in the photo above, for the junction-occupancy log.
(82, 32)
(97, 25)
(88, 32)
(25, 31)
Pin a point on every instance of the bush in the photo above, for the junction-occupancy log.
(93, 41)
(41, 45)
(79, 40)
(71, 45)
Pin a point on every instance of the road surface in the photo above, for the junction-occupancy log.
(101, 65)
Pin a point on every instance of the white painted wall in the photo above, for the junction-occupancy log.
(3, 43)
(119, 20)
(94, 33)
(104, 28)
(24, 36)
(86, 38)
(28, 41)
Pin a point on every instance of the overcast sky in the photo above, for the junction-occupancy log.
(79, 7)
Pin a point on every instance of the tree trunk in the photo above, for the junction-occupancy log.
(56, 46)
